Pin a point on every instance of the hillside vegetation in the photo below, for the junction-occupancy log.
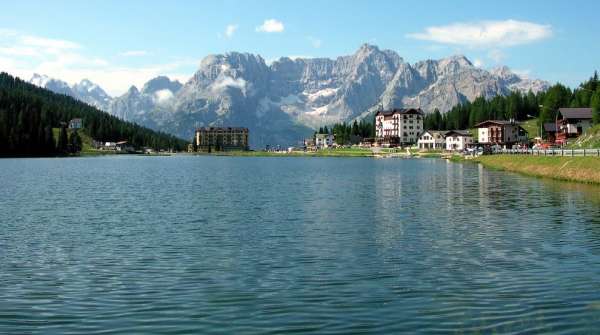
(589, 140)
(519, 106)
(28, 115)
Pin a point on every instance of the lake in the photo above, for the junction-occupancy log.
(243, 245)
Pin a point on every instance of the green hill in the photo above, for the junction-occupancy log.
(28, 115)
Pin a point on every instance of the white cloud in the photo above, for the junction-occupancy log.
(42, 42)
(486, 33)
(230, 30)
(225, 81)
(271, 26)
(162, 96)
(23, 55)
(478, 62)
(316, 43)
(134, 53)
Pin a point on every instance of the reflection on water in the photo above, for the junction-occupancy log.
(264, 245)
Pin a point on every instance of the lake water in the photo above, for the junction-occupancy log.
(235, 245)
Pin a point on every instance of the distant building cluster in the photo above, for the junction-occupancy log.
(221, 138)
(449, 140)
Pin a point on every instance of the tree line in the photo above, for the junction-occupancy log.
(29, 113)
(346, 133)
(519, 106)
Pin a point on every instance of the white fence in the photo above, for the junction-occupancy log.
(550, 152)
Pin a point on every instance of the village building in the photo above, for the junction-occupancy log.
(432, 140)
(324, 141)
(550, 131)
(76, 123)
(221, 138)
(309, 144)
(571, 123)
(458, 140)
(500, 132)
(398, 126)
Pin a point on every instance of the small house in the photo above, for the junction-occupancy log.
(309, 144)
(324, 140)
(76, 123)
(571, 123)
(432, 140)
(501, 132)
(458, 140)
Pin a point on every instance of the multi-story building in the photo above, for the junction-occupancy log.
(399, 126)
(222, 138)
(500, 132)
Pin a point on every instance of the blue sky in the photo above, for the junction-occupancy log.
(120, 43)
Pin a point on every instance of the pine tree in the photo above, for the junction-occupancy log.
(62, 144)
(75, 142)
(595, 104)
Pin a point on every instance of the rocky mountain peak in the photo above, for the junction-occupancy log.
(161, 83)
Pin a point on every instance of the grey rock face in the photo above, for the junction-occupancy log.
(92, 94)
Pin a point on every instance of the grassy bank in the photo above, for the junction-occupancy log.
(579, 169)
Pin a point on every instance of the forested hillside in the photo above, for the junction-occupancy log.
(518, 106)
(28, 114)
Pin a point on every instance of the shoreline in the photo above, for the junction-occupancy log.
(573, 169)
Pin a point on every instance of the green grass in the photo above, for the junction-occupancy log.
(589, 140)
(86, 140)
(531, 126)
(579, 169)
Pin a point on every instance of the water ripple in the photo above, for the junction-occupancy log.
(185, 245)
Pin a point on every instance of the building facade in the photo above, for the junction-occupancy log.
(458, 140)
(500, 132)
(571, 123)
(324, 140)
(399, 126)
(76, 123)
(432, 140)
(222, 138)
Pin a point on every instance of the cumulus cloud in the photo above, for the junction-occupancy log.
(163, 96)
(486, 33)
(226, 81)
(271, 26)
(23, 55)
(134, 53)
(230, 30)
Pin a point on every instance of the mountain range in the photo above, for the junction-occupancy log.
(284, 101)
